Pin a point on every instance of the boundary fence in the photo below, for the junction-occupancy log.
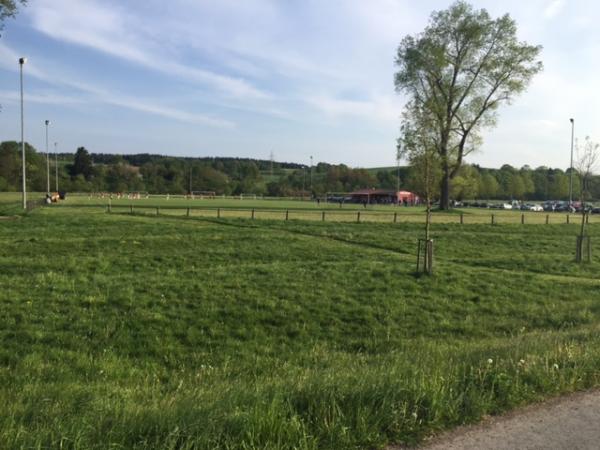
(356, 216)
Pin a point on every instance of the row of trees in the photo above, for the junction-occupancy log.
(86, 172)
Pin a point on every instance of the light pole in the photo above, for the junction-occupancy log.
(311, 165)
(56, 166)
(571, 167)
(398, 157)
(22, 61)
(47, 160)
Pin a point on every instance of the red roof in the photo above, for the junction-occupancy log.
(373, 191)
(380, 192)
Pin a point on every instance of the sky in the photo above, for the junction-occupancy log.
(295, 78)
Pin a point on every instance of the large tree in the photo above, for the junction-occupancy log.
(82, 164)
(461, 69)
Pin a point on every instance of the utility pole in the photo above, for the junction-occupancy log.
(190, 180)
(22, 61)
(47, 161)
(272, 157)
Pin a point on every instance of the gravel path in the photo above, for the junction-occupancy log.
(571, 422)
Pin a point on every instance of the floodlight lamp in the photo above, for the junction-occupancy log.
(47, 122)
(572, 120)
(22, 61)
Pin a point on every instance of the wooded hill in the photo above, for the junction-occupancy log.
(88, 172)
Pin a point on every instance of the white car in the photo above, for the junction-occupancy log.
(536, 208)
(507, 206)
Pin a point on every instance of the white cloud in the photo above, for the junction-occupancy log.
(43, 97)
(100, 95)
(379, 109)
(114, 32)
(554, 8)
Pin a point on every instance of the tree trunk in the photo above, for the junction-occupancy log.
(583, 220)
(445, 191)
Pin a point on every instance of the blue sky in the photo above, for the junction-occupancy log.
(250, 77)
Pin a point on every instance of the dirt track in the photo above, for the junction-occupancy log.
(571, 422)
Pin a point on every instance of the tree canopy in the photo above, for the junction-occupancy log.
(8, 8)
(456, 74)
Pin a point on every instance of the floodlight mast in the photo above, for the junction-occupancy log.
(56, 165)
(571, 167)
(22, 62)
(311, 175)
(47, 122)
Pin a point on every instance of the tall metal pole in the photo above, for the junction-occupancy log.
(24, 193)
(56, 165)
(47, 161)
(311, 166)
(398, 157)
(571, 167)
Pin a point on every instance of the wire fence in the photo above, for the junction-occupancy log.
(353, 215)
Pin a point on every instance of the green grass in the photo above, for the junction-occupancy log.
(275, 209)
(127, 331)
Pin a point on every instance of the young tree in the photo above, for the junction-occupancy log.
(461, 69)
(418, 143)
(588, 158)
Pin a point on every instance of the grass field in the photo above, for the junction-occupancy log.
(311, 210)
(135, 331)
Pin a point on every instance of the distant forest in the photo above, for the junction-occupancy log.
(93, 172)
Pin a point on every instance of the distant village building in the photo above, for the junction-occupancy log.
(383, 196)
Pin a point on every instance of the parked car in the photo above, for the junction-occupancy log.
(562, 207)
(536, 208)
(507, 206)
